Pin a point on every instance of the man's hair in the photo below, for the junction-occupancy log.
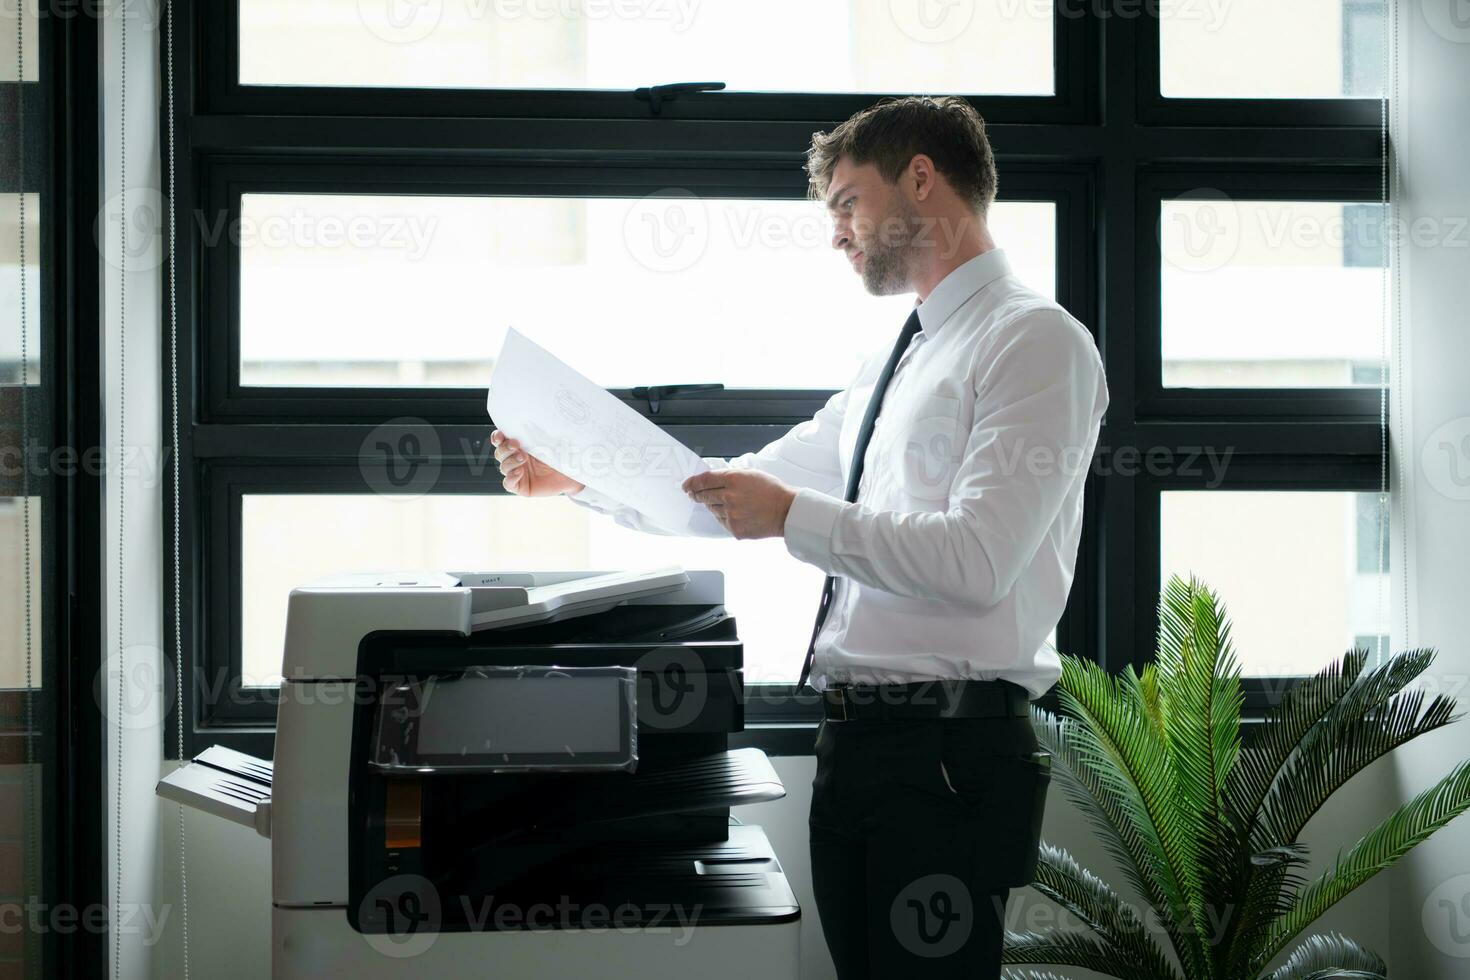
(889, 134)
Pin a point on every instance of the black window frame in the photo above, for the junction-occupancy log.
(57, 730)
(1107, 148)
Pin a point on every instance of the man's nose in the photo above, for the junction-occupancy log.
(841, 236)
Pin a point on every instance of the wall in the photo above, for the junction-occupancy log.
(1431, 889)
(133, 562)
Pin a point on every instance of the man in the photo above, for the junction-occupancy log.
(942, 493)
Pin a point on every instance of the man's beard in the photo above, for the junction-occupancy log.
(887, 269)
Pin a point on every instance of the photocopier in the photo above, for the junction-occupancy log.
(511, 775)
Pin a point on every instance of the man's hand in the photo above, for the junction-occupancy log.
(749, 503)
(523, 474)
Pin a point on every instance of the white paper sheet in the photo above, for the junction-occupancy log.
(574, 426)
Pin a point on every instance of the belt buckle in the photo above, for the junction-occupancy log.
(841, 694)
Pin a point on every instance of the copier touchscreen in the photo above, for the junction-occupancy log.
(472, 715)
(498, 719)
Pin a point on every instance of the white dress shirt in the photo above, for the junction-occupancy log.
(956, 559)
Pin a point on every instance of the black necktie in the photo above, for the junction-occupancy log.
(865, 434)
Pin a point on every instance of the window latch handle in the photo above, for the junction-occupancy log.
(655, 393)
(657, 95)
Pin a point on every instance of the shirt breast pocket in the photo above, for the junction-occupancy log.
(926, 451)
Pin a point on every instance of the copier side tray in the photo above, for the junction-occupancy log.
(225, 783)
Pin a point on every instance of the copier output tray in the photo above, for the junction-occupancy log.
(565, 809)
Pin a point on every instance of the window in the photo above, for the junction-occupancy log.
(1289, 563)
(1364, 242)
(1371, 533)
(752, 45)
(318, 535)
(21, 519)
(1269, 294)
(416, 291)
(1375, 643)
(1363, 47)
(373, 202)
(11, 275)
(1263, 49)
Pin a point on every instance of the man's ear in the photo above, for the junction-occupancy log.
(922, 175)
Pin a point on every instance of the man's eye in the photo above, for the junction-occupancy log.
(847, 204)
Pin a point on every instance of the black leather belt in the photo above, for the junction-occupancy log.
(925, 699)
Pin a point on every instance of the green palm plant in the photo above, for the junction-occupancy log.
(1207, 829)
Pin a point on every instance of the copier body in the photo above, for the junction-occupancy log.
(393, 857)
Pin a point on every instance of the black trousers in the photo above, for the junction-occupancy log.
(919, 830)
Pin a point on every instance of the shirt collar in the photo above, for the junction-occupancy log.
(956, 288)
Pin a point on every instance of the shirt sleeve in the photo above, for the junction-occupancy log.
(807, 456)
(1040, 396)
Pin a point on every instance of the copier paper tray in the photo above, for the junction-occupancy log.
(639, 884)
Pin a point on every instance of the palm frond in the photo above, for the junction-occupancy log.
(1199, 689)
(1060, 878)
(1056, 734)
(1282, 730)
(1148, 683)
(1268, 887)
(1061, 948)
(1138, 859)
(1365, 688)
(1324, 765)
(1330, 956)
(1395, 836)
(1114, 738)
(1200, 700)
(1323, 732)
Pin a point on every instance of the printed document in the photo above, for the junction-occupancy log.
(582, 430)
